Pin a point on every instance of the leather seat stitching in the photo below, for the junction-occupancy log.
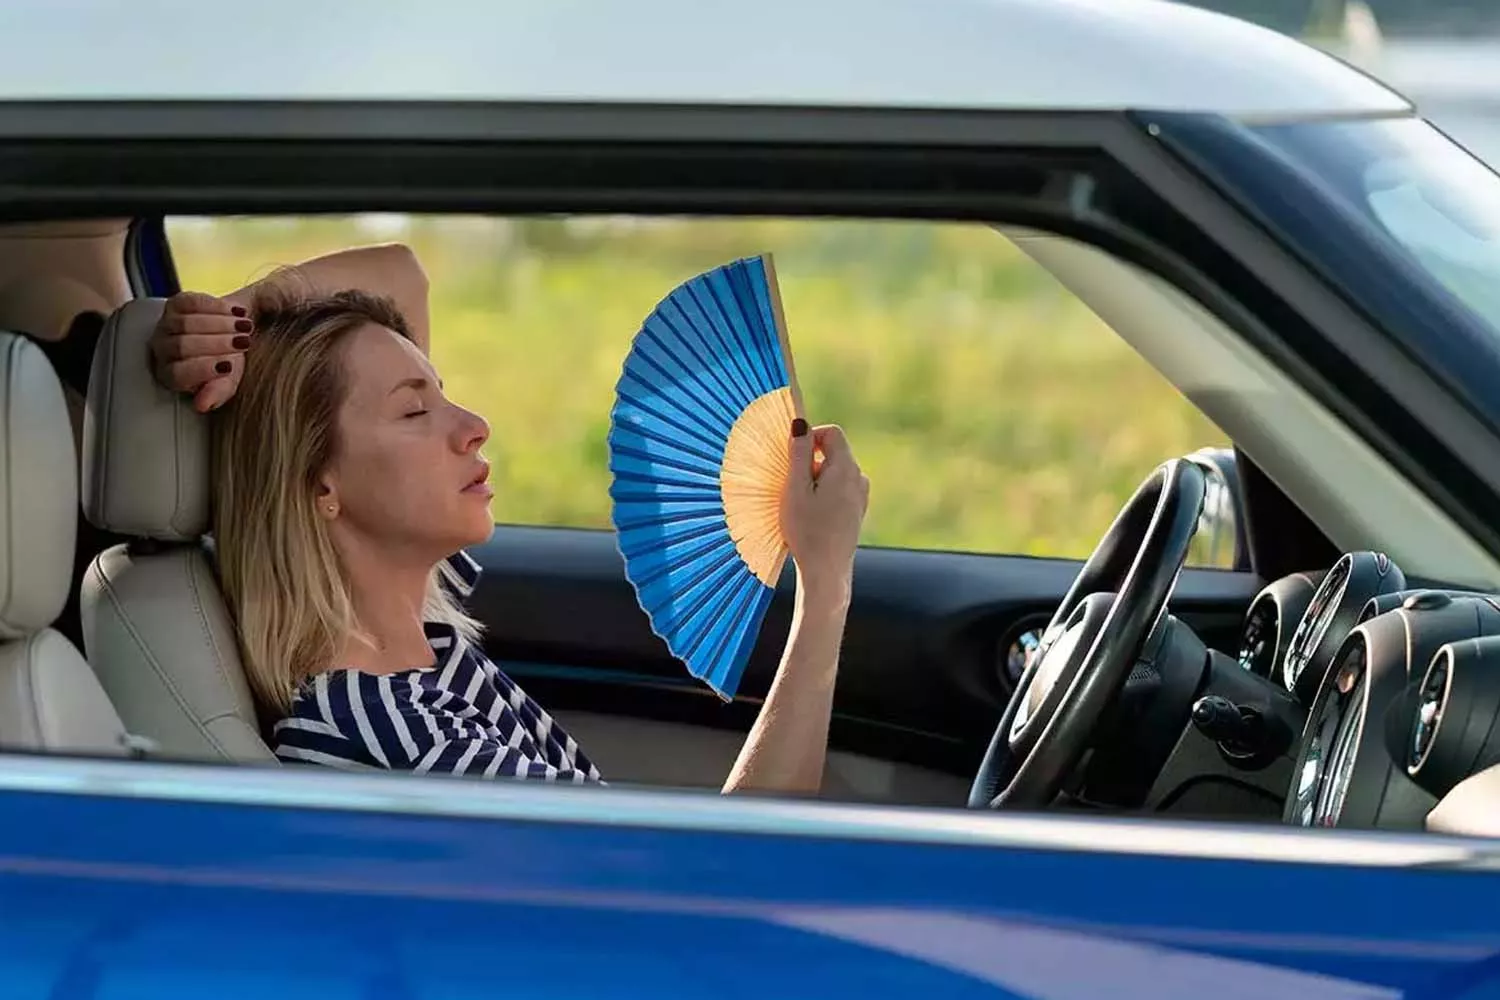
(33, 698)
(13, 560)
(178, 485)
(146, 653)
(194, 569)
(100, 492)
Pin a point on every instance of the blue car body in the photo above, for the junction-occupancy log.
(255, 884)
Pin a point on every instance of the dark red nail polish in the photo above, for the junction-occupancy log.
(799, 428)
(243, 325)
(241, 343)
(239, 311)
(223, 367)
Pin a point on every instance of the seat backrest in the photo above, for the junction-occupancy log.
(155, 623)
(49, 698)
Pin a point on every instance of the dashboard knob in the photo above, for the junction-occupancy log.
(1427, 600)
(1221, 720)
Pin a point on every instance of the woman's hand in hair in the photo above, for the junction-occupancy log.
(198, 347)
(200, 343)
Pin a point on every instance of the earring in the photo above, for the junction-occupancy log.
(333, 509)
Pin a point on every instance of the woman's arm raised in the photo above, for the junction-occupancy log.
(390, 269)
(199, 341)
(821, 516)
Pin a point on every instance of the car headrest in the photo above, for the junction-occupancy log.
(38, 490)
(145, 449)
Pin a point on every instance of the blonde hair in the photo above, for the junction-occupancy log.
(281, 575)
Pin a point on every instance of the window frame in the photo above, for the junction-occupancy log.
(1026, 168)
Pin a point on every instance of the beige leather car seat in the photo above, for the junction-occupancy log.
(155, 624)
(49, 698)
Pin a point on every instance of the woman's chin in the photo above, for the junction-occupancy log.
(467, 524)
(480, 529)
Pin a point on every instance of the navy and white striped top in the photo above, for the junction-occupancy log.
(462, 715)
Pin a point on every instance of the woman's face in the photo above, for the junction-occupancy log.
(407, 472)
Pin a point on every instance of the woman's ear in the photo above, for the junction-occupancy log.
(327, 500)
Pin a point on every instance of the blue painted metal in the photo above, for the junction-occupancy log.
(153, 256)
(707, 353)
(114, 897)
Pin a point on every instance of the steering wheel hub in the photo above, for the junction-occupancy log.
(1049, 669)
(1100, 629)
(1039, 691)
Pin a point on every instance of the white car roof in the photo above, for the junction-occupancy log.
(969, 54)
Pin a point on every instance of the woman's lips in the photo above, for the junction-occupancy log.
(480, 485)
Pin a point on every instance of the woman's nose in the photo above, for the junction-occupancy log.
(473, 431)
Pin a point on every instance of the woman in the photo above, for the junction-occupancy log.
(346, 489)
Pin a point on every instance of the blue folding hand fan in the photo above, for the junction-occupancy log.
(698, 449)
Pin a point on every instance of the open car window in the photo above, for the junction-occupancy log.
(983, 398)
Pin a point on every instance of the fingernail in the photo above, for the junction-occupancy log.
(241, 343)
(799, 428)
(223, 367)
(243, 325)
(239, 311)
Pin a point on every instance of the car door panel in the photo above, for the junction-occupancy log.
(687, 755)
(921, 678)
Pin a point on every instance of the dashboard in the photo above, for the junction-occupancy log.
(1397, 689)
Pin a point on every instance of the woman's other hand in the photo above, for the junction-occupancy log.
(827, 496)
(198, 347)
(825, 503)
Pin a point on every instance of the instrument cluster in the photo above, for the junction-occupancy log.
(1309, 614)
(1400, 688)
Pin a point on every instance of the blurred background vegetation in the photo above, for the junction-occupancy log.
(992, 411)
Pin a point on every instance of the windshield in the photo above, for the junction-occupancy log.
(1422, 191)
(1397, 217)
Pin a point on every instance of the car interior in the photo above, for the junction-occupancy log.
(1304, 681)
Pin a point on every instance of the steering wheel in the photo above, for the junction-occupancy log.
(1092, 642)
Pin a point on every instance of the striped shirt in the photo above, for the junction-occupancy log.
(462, 715)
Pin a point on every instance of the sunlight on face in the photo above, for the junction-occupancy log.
(407, 472)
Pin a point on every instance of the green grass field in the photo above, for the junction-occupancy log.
(991, 410)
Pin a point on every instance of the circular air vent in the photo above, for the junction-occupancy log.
(1018, 647)
(1432, 698)
(1258, 641)
(1453, 733)
(1268, 624)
